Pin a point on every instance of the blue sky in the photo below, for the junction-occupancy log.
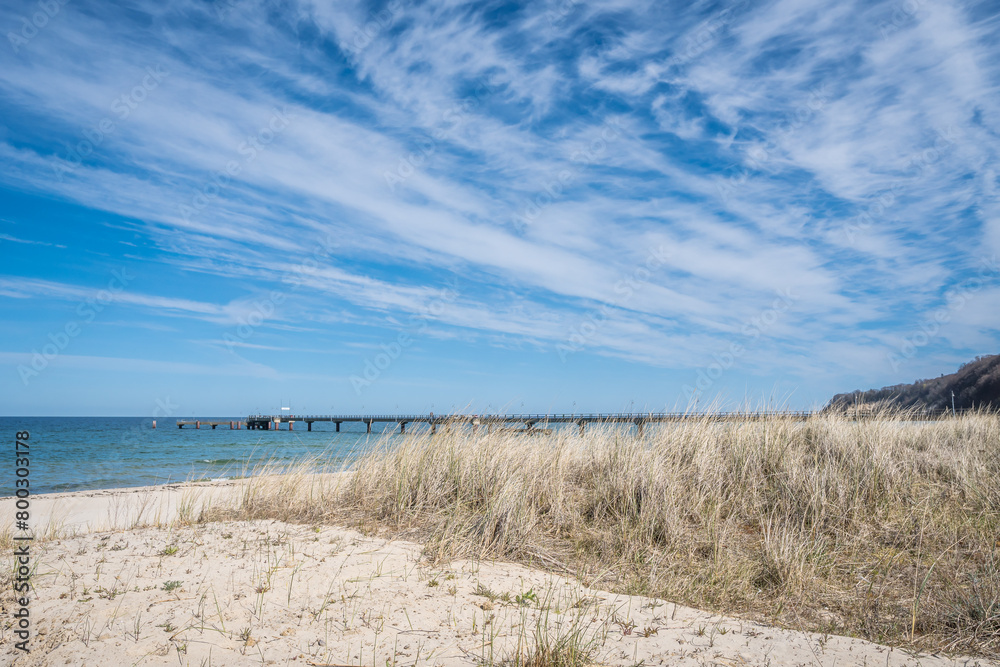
(218, 207)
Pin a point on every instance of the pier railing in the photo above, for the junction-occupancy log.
(533, 421)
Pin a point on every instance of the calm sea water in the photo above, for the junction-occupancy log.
(76, 453)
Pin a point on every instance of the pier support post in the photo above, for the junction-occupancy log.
(338, 426)
(290, 426)
(434, 427)
(402, 427)
(580, 424)
(639, 425)
(309, 426)
(368, 423)
(197, 424)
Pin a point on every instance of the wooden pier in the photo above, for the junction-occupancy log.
(198, 423)
(531, 423)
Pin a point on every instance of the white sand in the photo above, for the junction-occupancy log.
(274, 593)
(91, 511)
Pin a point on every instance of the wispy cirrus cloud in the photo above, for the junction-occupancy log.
(748, 139)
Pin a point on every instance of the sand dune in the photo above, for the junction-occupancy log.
(267, 592)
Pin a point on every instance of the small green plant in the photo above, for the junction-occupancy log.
(136, 627)
(170, 550)
(570, 646)
(171, 585)
(485, 592)
(628, 625)
(527, 598)
(433, 582)
(107, 594)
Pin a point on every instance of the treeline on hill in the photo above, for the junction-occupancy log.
(976, 385)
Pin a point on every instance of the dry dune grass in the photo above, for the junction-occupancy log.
(882, 529)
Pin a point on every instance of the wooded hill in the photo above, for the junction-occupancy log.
(976, 384)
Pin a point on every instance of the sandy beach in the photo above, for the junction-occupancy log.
(127, 583)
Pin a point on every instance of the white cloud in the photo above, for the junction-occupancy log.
(822, 107)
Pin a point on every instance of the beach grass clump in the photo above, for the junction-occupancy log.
(550, 645)
(301, 491)
(881, 528)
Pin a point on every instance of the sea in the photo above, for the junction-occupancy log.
(81, 453)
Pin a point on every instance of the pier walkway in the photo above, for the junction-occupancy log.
(525, 422)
